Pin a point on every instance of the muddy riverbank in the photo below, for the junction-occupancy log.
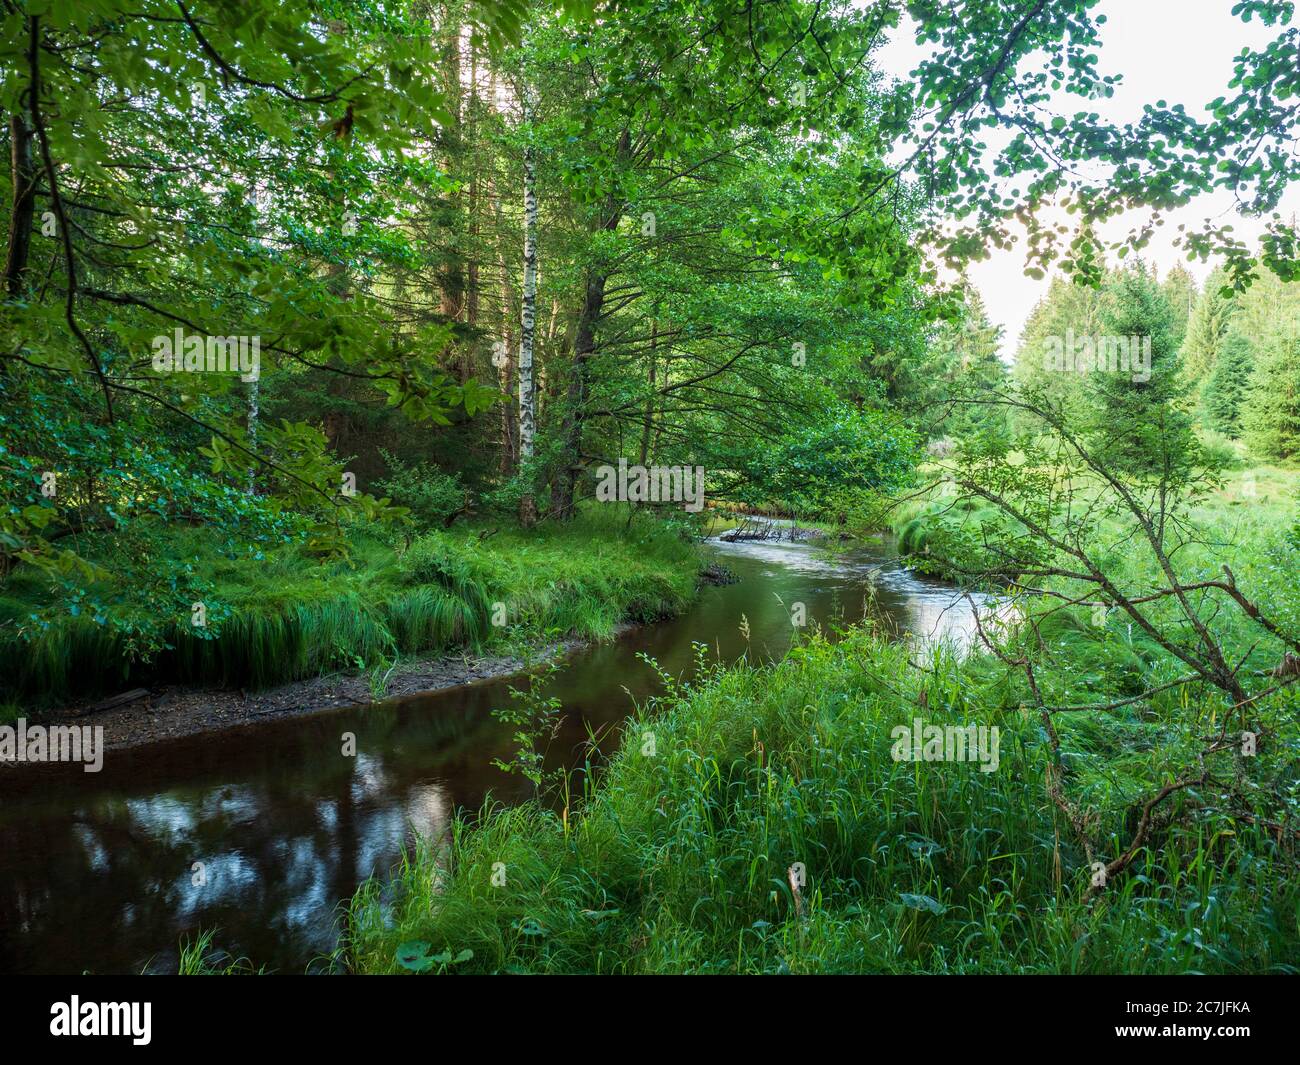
(174, 711)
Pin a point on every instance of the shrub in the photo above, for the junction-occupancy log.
(432, 495)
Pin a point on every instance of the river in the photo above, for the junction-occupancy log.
(98, 871)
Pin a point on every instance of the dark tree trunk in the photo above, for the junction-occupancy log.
(564, 493)
(23, 176)
(584, 343)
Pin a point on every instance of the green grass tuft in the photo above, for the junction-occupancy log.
(284, 615)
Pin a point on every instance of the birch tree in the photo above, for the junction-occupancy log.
(528, 317)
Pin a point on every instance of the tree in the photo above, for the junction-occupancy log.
(1062, 509)
(1206, 328)
(1226, 389)
(528, 320)
(200, 203)
(1271, 411)
(695, 217)
(1066, 314)
(1138, 424)
(1180, 291)
(968, 358)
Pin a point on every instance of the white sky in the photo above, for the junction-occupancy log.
(1179, 51)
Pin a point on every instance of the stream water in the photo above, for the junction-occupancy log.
(97, 871)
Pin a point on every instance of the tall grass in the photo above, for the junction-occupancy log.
(679, 861)
(198, 957)
(286, 616)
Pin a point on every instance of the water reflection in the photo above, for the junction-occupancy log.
(263, 831)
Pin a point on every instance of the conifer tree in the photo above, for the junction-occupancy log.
(1208, 325)
(1138, 421)
(1271, 413)
(1228, 384)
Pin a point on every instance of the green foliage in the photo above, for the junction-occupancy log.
(534, 716)
(959, 538)
(967, 368)
(1221, 452)
(1271, 409)
(199, 957)
(678, 862)
(1180, 291)
(1227, 386)
(200, 204)
(1139, 425)
(834, 466)
(1067, 310)
(680, 857)
(1209, 324)
(739, 218)
(429, 493)
(275, 614)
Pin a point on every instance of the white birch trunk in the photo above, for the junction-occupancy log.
(528, 323)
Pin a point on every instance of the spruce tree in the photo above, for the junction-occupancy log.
(1179, 287)
(1271, 412)
(968, 350)
(1227, 386)
(1066, 311)
(1139, 426)
(1208, 325)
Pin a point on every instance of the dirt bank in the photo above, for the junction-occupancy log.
(172, 711)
